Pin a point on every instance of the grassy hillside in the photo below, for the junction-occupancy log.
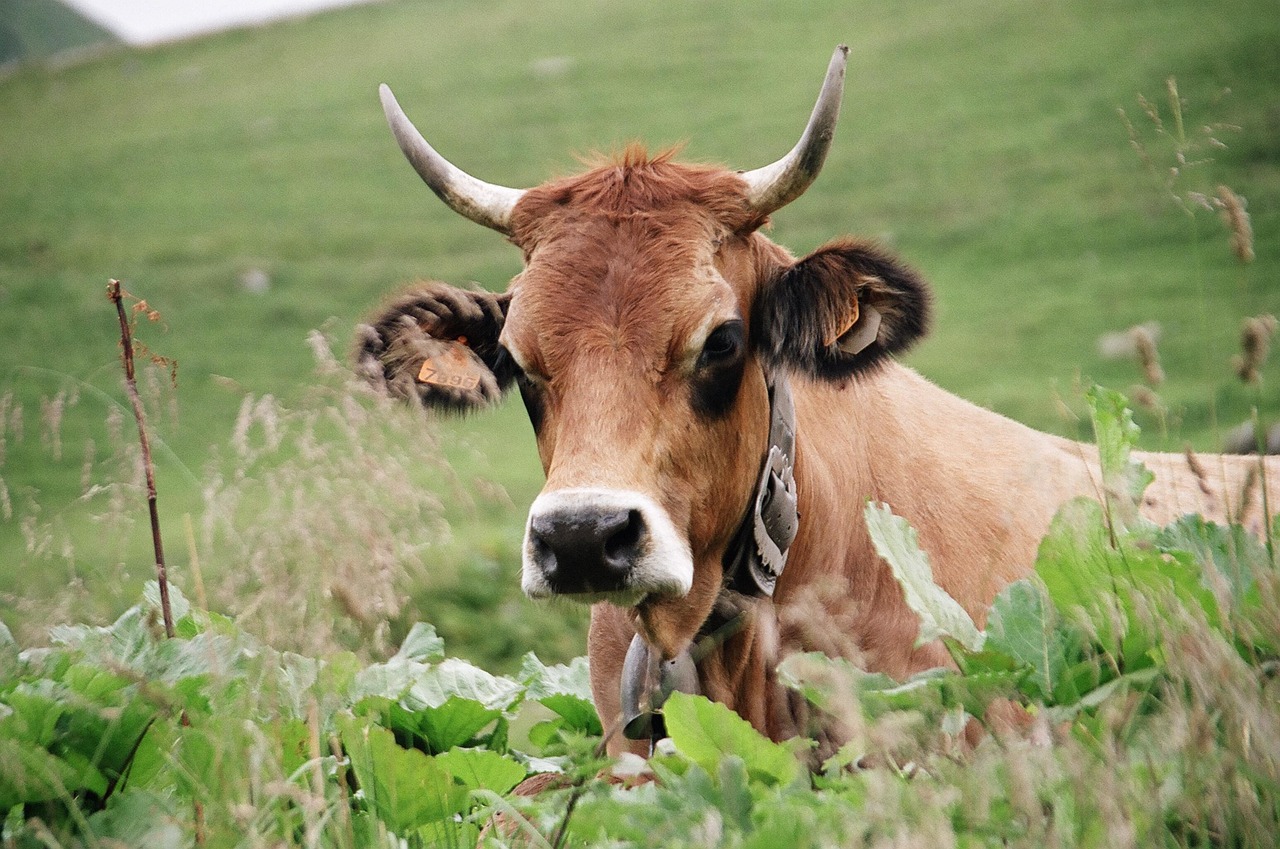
(247, 187)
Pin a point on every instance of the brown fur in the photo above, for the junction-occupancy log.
(624, 266)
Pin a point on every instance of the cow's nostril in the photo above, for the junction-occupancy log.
(544, 555)
(622, 546)
(591, 549)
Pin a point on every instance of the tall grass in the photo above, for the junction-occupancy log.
(318, 522)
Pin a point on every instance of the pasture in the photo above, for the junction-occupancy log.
(985, 146)
(247, 188)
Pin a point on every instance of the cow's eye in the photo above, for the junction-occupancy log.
(723, 345)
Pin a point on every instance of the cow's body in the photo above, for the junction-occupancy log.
(980, 490)
(643, 333)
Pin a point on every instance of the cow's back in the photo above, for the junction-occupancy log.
(981, 491)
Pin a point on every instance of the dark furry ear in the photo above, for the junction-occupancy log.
(840, 310)
(437, 345)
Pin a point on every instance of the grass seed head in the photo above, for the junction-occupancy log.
(1144, 343)
(1255, 343)
(1235, 215)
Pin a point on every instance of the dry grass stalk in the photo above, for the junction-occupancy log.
(1235, 215)
(1146, 398)
(346, 598)
(1255, 341)
(330, 509)
(1197, 469)
(51, 413)
(1144, 343)
(1184, 147)
(1248, 490)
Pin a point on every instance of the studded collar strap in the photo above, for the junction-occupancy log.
(758, 553)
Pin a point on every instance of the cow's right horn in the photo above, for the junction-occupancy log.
(484, 203)
(774, 186)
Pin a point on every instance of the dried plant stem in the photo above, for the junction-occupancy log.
(131, 386)
(115, 295)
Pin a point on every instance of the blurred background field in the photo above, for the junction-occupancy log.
(246, 186)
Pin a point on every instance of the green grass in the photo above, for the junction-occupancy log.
(979, 139)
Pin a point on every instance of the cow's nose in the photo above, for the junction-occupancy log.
(586, 549)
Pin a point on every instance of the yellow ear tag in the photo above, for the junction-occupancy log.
(849, 322)
(453, 368)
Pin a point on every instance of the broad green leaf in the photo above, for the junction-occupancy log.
(825, 681)
(54, 742)
(1141, 680)
(940, 614)
(294, 737)
(1231, 550)
(976, 691)
(453, 723)
(404, 787)
(390, 680)
(735, 792)
(179, 607)
(34, 774)
(337, 674)
(421, 685)
(1111, 578)
(153, 759)
(565, 689)
(450, 702)
(454, 678)
(543, 734)
(296, 678)
(104, 718)
(1115, 432)
(422, 644)
(829, 681)
(206, 654)
(126, 642)
(37, 708)
(140, 818)
(706, 731)
(135, 643)
(480, 769)
(921, 692)
(460, 833)
(1023, 625)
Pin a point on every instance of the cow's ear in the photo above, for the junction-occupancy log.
(840, 310)
(437, 345)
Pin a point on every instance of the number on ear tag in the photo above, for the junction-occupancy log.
(455, 368)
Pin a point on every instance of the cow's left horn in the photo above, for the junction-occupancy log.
(774, 186)
(484, 203)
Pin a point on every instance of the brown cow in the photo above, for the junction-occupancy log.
(659, 342)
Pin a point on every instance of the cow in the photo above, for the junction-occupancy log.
(712, 415)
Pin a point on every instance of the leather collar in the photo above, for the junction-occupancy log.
(758, 553)
(753, 562)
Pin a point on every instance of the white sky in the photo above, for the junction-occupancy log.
(152, 21)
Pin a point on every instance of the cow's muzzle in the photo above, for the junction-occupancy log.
(603, 545)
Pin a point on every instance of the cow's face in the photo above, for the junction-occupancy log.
(630, 327)
(639, 334)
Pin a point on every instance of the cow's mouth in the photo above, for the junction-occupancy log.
(590, 545)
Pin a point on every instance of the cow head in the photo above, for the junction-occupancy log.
(640, 334)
